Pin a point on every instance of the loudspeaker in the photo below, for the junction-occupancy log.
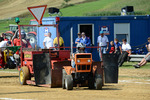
(129, 8)
(53, 10)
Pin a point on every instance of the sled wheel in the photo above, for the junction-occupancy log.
(63, 78)
(24, 75)
(98, 84)
(69, 82)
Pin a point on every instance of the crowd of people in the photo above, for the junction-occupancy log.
(49, 43)
(123, 51)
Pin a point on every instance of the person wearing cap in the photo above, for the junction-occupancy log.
(86, 41)
(102, 43)
(80, 48)
(78, 39)
(25, 42)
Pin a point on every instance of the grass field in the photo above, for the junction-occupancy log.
(81, 9)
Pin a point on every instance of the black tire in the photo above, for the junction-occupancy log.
(24, 75)
(32, 39)
(69, 82)
(91, 83)
(63, 78)
(98, 84)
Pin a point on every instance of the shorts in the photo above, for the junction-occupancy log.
(147, 58)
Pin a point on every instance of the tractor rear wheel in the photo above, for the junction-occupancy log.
(24, 75)
(98, 84)
(63, 78)
(69, 82)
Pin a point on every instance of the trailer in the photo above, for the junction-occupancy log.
(119, 27)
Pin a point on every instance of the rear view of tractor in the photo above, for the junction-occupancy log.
(85, 73)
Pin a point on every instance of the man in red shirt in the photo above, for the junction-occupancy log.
(112, 49)
(25, 42)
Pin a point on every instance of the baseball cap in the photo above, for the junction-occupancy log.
(101, 32)
(79, 33)
(9, 42)
(83, 33)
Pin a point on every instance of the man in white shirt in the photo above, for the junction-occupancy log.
(4, 43)
(48, 41)
(103, 42)
(126, 52)
(126, 47)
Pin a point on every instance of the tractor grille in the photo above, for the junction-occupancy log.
(83, 56)
(83, 67)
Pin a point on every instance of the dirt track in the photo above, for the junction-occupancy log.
(134, 84)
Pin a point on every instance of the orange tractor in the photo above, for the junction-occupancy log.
(86, 73)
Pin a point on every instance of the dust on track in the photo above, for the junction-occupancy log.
(133, 84)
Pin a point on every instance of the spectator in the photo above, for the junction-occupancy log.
(78, 39)
(4, 43)
(25, 42)
(112, 49)
(146, 58)
(86, 41)
(126, 51)
(80, 49)
(4, 36)
(148, 45)
(103, 44)
(118, 49)
(1, 59)
(61, 42)
(48, 41)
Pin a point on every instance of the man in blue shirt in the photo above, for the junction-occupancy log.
(118, 49)
(86, 41)
(78, 39)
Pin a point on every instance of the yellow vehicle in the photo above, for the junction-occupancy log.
(7, 53)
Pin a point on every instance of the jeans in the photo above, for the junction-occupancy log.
(122, 58)
(103, 51)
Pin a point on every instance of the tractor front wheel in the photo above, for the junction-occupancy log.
(98, 84)
(63, 78)
(24, 75)
(69, 82)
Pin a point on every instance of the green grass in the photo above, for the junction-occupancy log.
(81, 9)
(128, 65)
